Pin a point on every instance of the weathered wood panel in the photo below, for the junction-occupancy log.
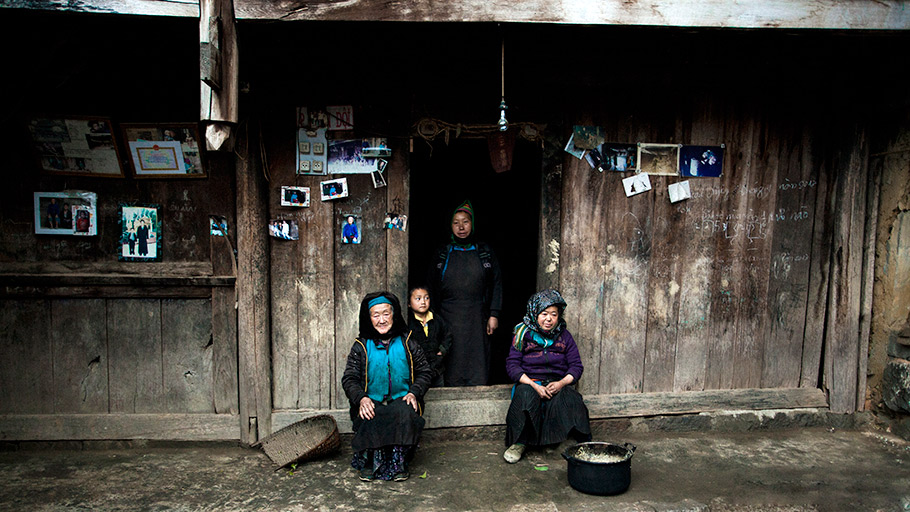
(135, 356)
(224, 326)
(186, 333)
(80, 356)
(398, 195)
(842, 336)
(359, 268)
(170, 427)
(550, 235)
(26, 368)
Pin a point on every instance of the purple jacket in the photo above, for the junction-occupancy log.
(551, 363)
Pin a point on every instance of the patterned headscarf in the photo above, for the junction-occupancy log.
(529, 326)
(467, 208)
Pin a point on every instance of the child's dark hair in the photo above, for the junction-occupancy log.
(415, 288)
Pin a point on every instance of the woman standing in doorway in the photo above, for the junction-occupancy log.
(466, 284)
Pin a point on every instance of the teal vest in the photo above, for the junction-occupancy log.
(388, 371)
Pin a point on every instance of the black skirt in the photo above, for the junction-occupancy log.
(538, 422)
(394, 424)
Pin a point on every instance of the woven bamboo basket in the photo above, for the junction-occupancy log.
(309, 438)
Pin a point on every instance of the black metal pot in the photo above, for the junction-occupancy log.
(600, 478)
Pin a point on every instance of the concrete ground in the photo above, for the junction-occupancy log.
(770, 469)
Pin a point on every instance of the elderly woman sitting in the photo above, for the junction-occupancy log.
(385, 379)
(544, 362)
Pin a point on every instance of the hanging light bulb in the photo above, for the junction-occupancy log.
(503, 122)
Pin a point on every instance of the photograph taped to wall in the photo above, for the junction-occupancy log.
(619, 157)
(140, 233)
(587, 137)
(378, 179)
(636, 184)
(701, 161)
(395, 221)
(376, 147)
(351, 232)
(77, 146)
(218, 225)
(334, 189)
(283, 229)
(658, 159)
(295, 196)
(346, 157)
(570, 148)
(679, 191)
(56, 213)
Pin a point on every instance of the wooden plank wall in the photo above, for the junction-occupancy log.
(317, 282)
(107, 356)
(709, 293)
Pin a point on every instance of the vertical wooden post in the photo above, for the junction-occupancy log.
(253, 290)
(550, 224)
(842, 335)
(219, 83)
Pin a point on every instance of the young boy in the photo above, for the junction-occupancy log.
(429, 331)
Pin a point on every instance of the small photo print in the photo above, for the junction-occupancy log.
(295, 196)
(381, 164)
(346, 157)
(571, 149)
(378, 179)
(140, 233)
(636, 184)
(395, 221)
(619, 157)
(56, 213)
(701, 161)
(376, 147)
(218, 225)
(679, 191)
(659, 159)
(284, 229)
(334, 189)
(350, 229)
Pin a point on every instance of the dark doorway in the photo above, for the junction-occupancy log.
(507, 217)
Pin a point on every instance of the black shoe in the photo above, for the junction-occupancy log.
(401, 477)
(366, 474)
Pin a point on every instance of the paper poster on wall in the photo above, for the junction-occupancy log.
(157, 157)
(346, 157)
(79, 146)
(284, 229)
(679, 191)
(341, 117)
(636, 184)
(350, 228)
(619, 157)
(701, 161)
(658, 159)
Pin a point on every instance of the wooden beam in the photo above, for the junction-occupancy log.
(774, 14)
(171, 427)
(489, 405)
(218, 94)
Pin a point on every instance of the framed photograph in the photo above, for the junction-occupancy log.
(164, 150)
(66, 213)
(295, 196)
(350, 228)
(334, 189)
(658, 159)
(701, 161)
(140, 233)
(284, 229)
(77, 146)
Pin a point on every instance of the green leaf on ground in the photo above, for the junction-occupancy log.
(424, 475)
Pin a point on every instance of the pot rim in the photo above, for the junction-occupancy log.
(628, 447)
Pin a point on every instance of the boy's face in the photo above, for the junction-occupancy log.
(420, 301)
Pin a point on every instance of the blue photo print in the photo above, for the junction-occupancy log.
(701, 161)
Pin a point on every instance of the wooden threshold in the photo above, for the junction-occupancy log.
(487, 406)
